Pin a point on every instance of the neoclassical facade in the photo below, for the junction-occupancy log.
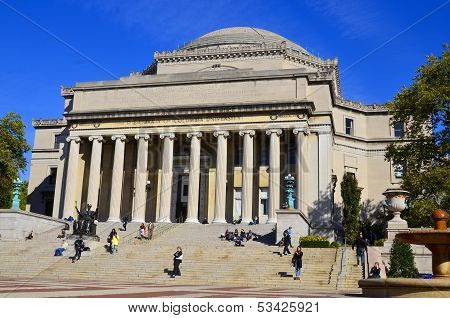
(210, 131)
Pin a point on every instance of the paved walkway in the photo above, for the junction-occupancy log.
(45, 288)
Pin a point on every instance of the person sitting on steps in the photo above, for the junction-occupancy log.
(243, 236)
(249, 235)
(30, 236)
(375, 271)
(62, 235)
(60, 250)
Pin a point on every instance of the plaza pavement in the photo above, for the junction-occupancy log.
(92, 289)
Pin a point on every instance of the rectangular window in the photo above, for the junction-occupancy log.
(399, 130)
(398, 171)
(349, 126)
(56, 142)
(52, 176)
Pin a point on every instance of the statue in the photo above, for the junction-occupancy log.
(85, 224)
(289, 190)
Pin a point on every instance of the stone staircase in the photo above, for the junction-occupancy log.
(208, 260)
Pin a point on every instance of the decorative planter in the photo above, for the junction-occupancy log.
(396, 202)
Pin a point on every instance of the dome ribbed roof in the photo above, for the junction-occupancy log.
(239, 35)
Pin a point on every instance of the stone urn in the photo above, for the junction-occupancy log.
(396, 200)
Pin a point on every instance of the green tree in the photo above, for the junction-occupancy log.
(423, 108)
(13, 146)
(351, 197)
(23, 195)
(402, 261)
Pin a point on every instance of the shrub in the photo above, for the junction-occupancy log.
(314, 241)
(402, 261)
(379, 242)
(334, 245)
(351, 197)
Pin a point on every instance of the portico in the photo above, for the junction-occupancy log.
(224, 173)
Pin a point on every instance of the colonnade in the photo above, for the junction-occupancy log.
(138, 213)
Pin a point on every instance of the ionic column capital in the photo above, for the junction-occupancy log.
(119, 137)
(250, 132)
(73, 138)
(304, 130)
(194, 134)
(223, 133)
(98, 138)
(274, 131)
(144, 136)
(170, 135)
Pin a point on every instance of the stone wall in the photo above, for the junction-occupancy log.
(16, 224)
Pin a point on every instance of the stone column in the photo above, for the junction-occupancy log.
(247, 176)
(325, 163)
(300, 164)
(274, 173)
(94, 171)
(63, 151)
(325, 167)
(71, 178)
(166, 177)
(117, 178)
(141, 178)
(194, 177)
(221, 176)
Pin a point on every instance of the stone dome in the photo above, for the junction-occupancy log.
(239, 35)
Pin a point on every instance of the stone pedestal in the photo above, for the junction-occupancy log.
(294, 218)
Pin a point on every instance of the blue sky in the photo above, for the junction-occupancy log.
(379, 44)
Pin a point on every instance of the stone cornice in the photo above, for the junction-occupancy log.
(302, 105)
(215, 53)
(366, 108)
(57, 122)
(66, 91)
(367, 140)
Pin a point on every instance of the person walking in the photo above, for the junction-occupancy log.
(110, 237)
(177, 259)
(114, 243)
(297, 262)
(79, 247)
(125, 221)
(361, 250)
(150, 229)
(286, 243)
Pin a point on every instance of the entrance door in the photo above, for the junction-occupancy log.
(182, 199)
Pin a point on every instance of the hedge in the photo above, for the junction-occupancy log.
(314, 241)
